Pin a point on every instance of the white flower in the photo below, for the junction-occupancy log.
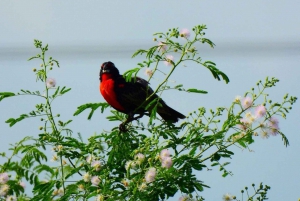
(59, 147)
(96, 165)
(227, 197)
(4, 178)
(260, 111)
(247, 102)
(89, 159)
(80, 187)
(139, 158)
(4, 189)
(184, 198)
(237, 99)
(55, 192)
(129, 165)
(100, 198)
(167, 162)
(164, 153)
(22, 184)
(185, 33)
(95, 180)
(86, 177)
(50, 82)
(162, 46)
(54, 158)
(143, 186)
(60, 191)
(148, 72)
(169, 60)
(125, 182)
(11, 198)
(150, 175)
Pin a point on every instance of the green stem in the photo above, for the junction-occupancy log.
(51, 118)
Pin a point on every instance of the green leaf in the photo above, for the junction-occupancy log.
(153, 114)
(57, 63)
(198, 186)
(66, 123)
(12, 121)
(6, 95)
(56, 92)
(92, 106)
(193, 151)
(73, 171)
(128, 74)
(178, 86)
(210, 62)
(64, 90)
(215, 157)
(216, 72)
(40, 168)
(170, 190)
(225, 174)
(150, 105)
(205, 40)
(196, 91)
(195, 163)
(242, 143)
(139, 52)
(151, 52)
(284, 139)
(34, 57)
(141, 65)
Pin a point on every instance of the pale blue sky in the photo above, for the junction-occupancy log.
(253, 40)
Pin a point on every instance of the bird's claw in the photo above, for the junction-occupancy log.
(122, 127)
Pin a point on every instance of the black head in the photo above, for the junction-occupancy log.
(109, 68)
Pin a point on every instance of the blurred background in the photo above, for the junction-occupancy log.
(254, 39)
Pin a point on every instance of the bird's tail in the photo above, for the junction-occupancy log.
(169, 114)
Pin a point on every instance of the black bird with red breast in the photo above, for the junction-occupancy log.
(130, 97)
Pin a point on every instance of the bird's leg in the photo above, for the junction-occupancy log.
(130, 118)
(139, 116)
(146, 113)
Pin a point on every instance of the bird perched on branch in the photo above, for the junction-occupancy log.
(132, 97)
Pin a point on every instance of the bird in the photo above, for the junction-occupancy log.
(130, 97)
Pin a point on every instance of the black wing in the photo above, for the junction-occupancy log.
(132, 95)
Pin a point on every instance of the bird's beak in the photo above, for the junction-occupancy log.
(105, 70)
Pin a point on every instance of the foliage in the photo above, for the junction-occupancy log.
(147, 162)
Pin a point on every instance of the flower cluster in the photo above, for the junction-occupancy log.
(139, 159)
(87, 177)
(150, 175)
(166, 160)
(4, 187)
(269, 126)
(95, 180)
